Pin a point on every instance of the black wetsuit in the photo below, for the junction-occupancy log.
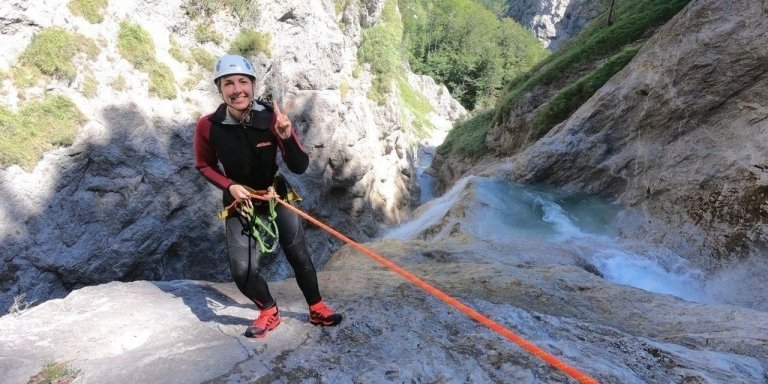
(247, 152)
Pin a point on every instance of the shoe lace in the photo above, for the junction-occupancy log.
(264, 320)
(321, 310)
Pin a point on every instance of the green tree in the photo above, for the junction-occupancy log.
(497, 7)
(466, 47)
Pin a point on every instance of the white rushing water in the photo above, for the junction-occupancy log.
(504, 213)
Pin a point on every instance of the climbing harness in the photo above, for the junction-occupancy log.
(259, 227)
(531, 348)
(256, 225)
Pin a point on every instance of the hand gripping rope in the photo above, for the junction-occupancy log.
(533, 349)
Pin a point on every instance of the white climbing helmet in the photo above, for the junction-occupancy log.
(232, 64)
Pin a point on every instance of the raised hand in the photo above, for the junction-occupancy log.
(282, 122)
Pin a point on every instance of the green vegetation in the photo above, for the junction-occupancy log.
(55, 373)
(497, 7)
(564, 103)
(38, 127)
(249, 43)
(204, 10)
(203, 58)
(161, 82)
(418, 105)
(136, 45)
(200, 8)
(25, 76)
(571, 75)
(245, 10)
(204, 33)
(195, 56)
(91, 10)
(119, 83)
(52, 51)
(344, 89)
(192, 81)
(340, 5)
(467, 138)
(632, 20)
(90, 86)
(466, 47)
(179, 53)
(381, 49)
(392, 40)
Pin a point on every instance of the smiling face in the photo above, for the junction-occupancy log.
(236, 90)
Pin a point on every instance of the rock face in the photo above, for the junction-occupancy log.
(681, 134)
(553, 21)
(682, 143)
(125, 202)
(191, 331)
(116, 206)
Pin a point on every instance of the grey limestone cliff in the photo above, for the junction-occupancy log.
(124, 202)
(553, 21)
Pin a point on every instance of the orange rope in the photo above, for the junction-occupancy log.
(482, 319)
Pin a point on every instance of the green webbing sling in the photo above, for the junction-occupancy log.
(263, 231)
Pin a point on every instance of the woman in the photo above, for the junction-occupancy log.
(245, 135)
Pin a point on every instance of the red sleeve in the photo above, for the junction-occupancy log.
(206, 160)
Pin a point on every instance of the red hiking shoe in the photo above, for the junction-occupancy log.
(268, 320)
(320, 314)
